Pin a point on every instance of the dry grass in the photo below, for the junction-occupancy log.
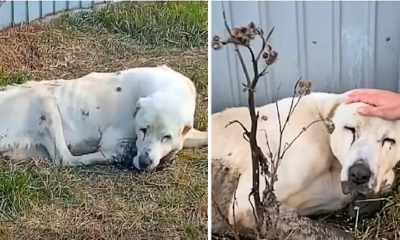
(384, 225)
(40, 201)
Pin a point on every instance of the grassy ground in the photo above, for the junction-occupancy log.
(384, 225)
(40, 201)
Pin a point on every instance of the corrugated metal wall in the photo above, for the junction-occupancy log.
(27, 11)
(337, 45)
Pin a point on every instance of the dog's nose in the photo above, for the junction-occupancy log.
(144, 161)
(359, 173)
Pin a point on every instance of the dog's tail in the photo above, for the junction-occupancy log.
(196, 139)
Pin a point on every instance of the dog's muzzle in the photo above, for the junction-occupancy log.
(359, 175)
(144, 161)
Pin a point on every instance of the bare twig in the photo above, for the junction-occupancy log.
(234, 202)
(236, 121)
(252, 134)
(301, 132)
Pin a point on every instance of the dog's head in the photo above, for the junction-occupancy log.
(366, 147)
(161, 122)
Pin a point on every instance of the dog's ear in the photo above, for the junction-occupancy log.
(186, 129)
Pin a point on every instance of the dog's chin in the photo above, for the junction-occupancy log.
(362, 200)
(166, 160)
(352, 188)
(132, 165)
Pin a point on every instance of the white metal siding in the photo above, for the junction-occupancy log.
(14, 12)
(336, 45)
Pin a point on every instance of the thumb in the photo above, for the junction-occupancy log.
(370, 111)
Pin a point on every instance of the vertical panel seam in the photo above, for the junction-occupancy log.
(12, 13)
(40, 8)
(372, 43)
(268, 78)
(304, 24)
(336, 48)
(230, 79)
(300, 40)
(238, 67)
(27, 11)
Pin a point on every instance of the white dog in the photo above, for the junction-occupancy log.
(326, 168)
(85, 121)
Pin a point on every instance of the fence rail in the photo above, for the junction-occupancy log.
(15, 12)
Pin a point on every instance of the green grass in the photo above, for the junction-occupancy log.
(21, 190)
(172, 23)
(14, 78)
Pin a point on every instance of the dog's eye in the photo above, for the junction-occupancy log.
(389, 140)
(353, 130)
(166, 138)
(144, 130)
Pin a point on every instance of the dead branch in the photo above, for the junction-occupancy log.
(234, 202)
(268, 218)
(242, 37)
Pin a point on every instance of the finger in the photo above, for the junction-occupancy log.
(367, 98)
(364, 91)
(370, 111)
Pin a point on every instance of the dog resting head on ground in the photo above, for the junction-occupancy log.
(366, 147)
(162, 122)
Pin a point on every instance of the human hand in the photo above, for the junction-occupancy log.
(381, 103)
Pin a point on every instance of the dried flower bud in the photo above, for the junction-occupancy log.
(243, 35)
(265, 55)
(304, 87)
(216, 45)
(251, 25)
(270, 55)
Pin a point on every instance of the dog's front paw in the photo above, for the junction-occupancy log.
(127, 152)
(110, 157)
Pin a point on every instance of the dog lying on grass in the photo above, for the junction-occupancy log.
(93, 120)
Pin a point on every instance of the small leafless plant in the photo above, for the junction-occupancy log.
(266, 211)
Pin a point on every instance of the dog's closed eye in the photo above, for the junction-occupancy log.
(388, 140)
(353, 131)
(166, 138)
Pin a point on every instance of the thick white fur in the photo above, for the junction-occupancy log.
(93, 114)
(311, 172)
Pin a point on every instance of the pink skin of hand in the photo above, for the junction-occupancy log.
(381, 103)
